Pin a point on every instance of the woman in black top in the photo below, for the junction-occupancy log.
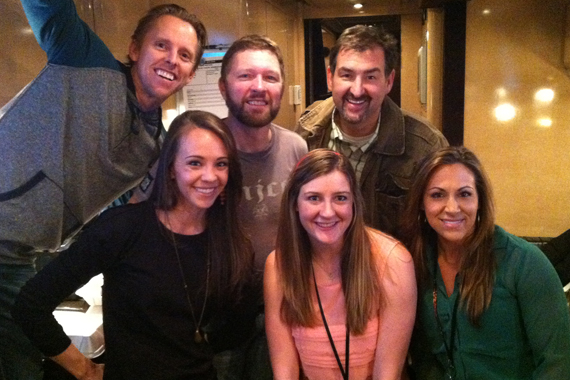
(174, 267)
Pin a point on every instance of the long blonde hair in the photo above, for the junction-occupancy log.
(359, 275)
(478, 264)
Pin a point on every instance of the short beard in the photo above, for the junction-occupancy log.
(353, 120)
(253, 121)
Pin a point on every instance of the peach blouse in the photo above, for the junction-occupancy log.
(315, 352)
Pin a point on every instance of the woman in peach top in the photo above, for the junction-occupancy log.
(340, 298)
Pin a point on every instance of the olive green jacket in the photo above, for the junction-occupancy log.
(403, 139)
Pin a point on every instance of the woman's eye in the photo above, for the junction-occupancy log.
(222, 164)
(342, 198)
(194, 163)
(313, 198)
(465, 194)
(436, 195)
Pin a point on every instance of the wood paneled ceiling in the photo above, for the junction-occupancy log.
(350, 3)
(345, 8)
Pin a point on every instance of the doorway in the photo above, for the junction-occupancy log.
(320, 36)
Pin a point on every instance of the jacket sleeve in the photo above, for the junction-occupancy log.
(65, 38)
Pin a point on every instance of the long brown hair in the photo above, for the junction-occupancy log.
(478, 264)
(230, 250)
(359, 275)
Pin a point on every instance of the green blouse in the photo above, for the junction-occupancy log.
(524, 334)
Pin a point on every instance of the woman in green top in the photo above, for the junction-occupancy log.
(490, 305)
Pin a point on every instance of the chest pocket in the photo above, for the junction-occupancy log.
(392, 185)
(389, 195)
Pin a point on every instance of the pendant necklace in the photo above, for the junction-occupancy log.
(198, 337)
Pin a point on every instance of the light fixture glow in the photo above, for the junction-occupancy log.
(544, 95)
(357, 6)
(170, 115)
(486, 11)
(27, 31)
(501, 92)
(505, 112)
(545, 122)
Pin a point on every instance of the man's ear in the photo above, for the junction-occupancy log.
(329, 78)
(133, 51)
(222, 87)
(390, 80)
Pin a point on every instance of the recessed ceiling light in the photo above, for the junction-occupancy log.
(544, 95)
(505, 112)
(501, 92)
(357, 6)
(545, 122)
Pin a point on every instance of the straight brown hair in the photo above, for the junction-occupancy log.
(359, 274)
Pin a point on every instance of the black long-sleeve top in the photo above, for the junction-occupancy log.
(149, 330)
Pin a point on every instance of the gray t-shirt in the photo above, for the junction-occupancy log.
(265, 175)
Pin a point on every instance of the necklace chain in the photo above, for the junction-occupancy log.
(198, 337)
(331, 275)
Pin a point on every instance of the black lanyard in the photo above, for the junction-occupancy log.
(450, 371)
(343, 371)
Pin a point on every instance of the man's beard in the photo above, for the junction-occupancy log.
(258, 120)
(351, 118)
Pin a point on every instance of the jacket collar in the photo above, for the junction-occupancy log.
(318, 116)
(391, 135)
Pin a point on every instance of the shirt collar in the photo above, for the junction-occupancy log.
(336, 133)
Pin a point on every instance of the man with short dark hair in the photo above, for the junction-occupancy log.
(252, 85)
(382, 141)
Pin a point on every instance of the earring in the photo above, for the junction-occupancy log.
(420, 218)
(478, 218)
(223, 197)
